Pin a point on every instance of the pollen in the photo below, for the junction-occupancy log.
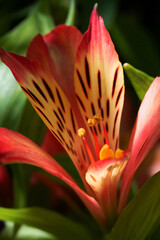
(91, 122)
(119, 153)
(98, 118)
(106, 152)
(81, 132)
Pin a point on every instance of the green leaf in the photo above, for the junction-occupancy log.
(49, 221)
(141, 215)
(12, 99)
(24, 232)
(140, 80)
(71, 13)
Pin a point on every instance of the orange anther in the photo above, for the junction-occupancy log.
(97, 118)
(91, 122)
(106, 152)
(119, 153)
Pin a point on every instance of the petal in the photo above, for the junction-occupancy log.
(50, 103)
(16, 148)
(6, 194)
(56, 52)
(99, 83)
(51, 145)
(103, 177)
(145, 134)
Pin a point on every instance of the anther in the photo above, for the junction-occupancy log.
(119, 153)
(81, 132)
(106, 152)
(91, 122)
(97, 118)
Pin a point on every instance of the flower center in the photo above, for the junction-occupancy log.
(105, 152)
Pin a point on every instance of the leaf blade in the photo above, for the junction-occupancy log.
(48, 221)
(141, 214)
(140, 80)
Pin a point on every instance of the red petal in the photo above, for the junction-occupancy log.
(103, 177)
(145, 134)
(51, 145)
(99, 83)
(56, 52)
(6, 194)
(51, 104)
(16, 148)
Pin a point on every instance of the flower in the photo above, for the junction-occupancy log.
(75, 83)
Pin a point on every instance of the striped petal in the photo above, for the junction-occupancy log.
(50, 103)
(99, 82)
(103, 177)
(15, 148)
(145, 134)
(56, 51)
(51, 145)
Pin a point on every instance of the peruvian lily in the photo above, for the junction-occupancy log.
(75, 83)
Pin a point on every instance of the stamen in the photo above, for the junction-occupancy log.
(106, 152)
(88, 150)
(96, 143)
(81, 133)
(119, 153)
(91, 122)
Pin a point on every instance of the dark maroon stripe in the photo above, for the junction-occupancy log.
(93, 109)
(60, 99)
(70, 134)
(70, 143)
(114, 81)
(102, 113)
(60, 127)
(60, 112)
(115, 120)
(107, 127)
(39, 90)
(82, 83)
(95, 130)
(118, 96)
(99, 103)
(81, 103)
(57, 136)
(60, 135)
(44, 116)
(48, 90)
(107, 107)
(117, 142)
(67, 146)
(99, 84)
(29, 93)
(35, 99)
(84, 157)
(73, 122)
(87, 73)
(58, 118)
(99, 128)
